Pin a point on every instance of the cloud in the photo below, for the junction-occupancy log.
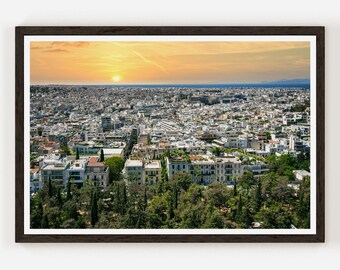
(149, 61)
(56, 51)
(38, 48)
(77, 44)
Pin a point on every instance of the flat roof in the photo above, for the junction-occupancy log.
(112, 151)
(153, 165)
(133, 163)
(54, 168)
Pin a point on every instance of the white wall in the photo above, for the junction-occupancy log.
(174, 12)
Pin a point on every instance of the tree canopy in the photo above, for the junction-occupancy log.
(268, 200)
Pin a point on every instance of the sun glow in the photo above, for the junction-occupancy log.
(116, 78)
(154, 62)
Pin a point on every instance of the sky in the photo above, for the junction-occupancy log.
(167, 62)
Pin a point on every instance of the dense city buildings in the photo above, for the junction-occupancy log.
(170, 156)
(214, 134)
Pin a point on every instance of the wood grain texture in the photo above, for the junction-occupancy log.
(21, 32)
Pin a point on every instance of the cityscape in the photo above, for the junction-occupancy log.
(170, 156)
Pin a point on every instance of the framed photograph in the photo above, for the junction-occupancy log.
(170, 134)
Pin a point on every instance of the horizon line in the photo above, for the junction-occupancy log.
(175, 84)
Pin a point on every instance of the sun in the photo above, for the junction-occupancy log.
(116, 78)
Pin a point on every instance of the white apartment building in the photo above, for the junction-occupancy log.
(76, 172)
(205, 170)
(133, 169)
(228, 169)
(202, 170)
(54, 167)
(35, 183)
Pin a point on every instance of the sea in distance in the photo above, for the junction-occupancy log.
(254, 85)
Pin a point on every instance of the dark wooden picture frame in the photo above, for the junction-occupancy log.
(318, 32)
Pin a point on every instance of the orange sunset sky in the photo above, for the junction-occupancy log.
(167, 62)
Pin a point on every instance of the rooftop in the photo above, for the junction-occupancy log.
(133, 163)
(93, 162)
(156, 164)
(53, 167)
(112, 151)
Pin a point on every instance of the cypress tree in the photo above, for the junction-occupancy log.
(77, 154)
(37, 216)
(68, 194)
(239, 209)
(235, 188)
(124, 195)
(74, 212)
(239, 204)
(145, 199)
(246, 218)
(45, 222)
(171, 209)
(117, 200)
(59, 199)
(101, 155)
(50, 191)
(258, 196)
(175, 197)
(94, 210)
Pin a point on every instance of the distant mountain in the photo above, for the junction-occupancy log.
(289, 82)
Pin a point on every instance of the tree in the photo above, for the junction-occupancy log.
(246, 219)
(258, 196)
(191, 216)
(303, 204)
(124, 201)
(235, 188)
(77, 154)
(217, 194)
(94, 209)
(59, 198)
(70, 209)
(65, 150)
(268, 135)
(101, 155)
(238, 215)
(275, 217)
(182, 180)
(50, 188)
(145, 199)
(68, 192)
(175, 197)
(53, 217)
(116, 165)
(45, 223)
(247, 180)
(37, 216)
(156, 211)
(214, 220)
(217, 151)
